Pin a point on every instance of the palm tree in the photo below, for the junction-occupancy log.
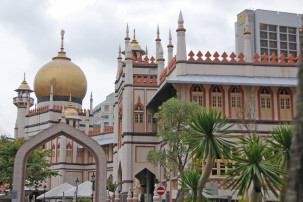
(280, 144)
(208, 140)
(189, 182)
(252, 168)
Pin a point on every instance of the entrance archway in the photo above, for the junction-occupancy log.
(147, 180)
(48, 134)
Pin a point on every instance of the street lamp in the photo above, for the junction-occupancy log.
(77, 181)
(44, 191)
(93, 185)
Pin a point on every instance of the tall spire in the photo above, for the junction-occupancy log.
(62, 38)
(119, 50)
(91, 103)
(158, 41)
(61, 53)
(170, 47)
(180, 20)
(127, 33)
(170, 38)
(134, 34)
(181, 44)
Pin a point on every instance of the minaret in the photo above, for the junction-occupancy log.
(181, 44)
(127, 119)
(170, 48)
(160, 62)
(23, 102)
(247, 42)
(119, 58)
(158, 41)
(91, 103)
(51, 106)
(127, 39)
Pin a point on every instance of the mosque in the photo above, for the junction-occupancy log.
(248, 87)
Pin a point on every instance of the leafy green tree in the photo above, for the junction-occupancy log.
(36, 167)
(253, 168)
(280, 145)
(208, 140)
(174, 116)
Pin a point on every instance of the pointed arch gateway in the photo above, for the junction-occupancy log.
(48, 134)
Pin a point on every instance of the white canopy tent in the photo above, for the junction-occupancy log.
(84, 191)
(57, 192)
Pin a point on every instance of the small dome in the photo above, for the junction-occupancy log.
(70, 111)
(24, 85)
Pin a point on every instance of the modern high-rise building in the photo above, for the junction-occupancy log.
(271, 32)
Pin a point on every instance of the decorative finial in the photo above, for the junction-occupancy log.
(127, 31)
(51, 89)
(70, 98)
(146, 51)
(24, 77)
(62, 37)
(91, 95)
(119, 50)
(170, 38)
(180, 20)
(134, 34)
(158, 32)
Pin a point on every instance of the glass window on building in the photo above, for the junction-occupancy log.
(283, 29)
(106, 116)
(106, 124)
(263, 27)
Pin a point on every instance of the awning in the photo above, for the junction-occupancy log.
(56, 192)
(102, 142)
(235, 80)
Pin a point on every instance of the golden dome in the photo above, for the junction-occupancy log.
(65, 76)
(24, 85)
(70, 111)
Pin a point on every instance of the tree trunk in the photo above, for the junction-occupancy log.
(255, 192)
(295, 193)
(205, 175)
(283, 192)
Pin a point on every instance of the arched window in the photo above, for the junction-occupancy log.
(285, 104)
(217, 98)
(138, 117)
(58, 153)
(80, 155)
(53, 154)
(69, 153)
(197, 94)
(90, 158)
(236, 102)
(265, 104)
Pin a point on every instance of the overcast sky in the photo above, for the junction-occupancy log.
(30, 36)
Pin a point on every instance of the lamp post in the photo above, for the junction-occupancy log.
(93, 185)
(44, 191)
(77, 181)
